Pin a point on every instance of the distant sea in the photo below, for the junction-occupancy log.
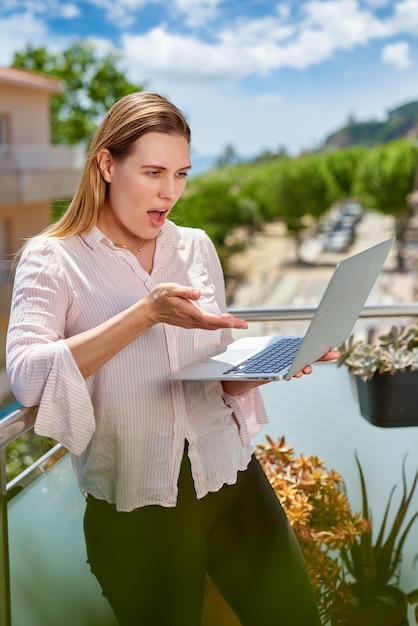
(201, 163)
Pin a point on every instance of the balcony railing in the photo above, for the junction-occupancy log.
(44, 579)
(38, 173)
(35, 157)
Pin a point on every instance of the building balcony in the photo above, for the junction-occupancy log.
(34, 173)
(44, 577)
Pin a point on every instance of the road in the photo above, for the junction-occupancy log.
(272, 278)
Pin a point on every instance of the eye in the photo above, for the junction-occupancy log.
(153, 172)
(183, 174)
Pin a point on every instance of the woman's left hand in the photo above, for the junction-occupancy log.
(235, 387)
(329, 356)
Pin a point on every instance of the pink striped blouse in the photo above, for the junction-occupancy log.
(127, 423)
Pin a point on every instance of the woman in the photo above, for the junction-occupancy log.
(107, 303)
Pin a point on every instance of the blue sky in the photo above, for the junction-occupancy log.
(256, 74)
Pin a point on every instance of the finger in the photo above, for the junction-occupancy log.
(225, 321)
(234, 322)
(304, 371)
(180, 291)
(188, 293)
(195, 294)
(331, 355)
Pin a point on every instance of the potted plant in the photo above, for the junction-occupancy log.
(354, 578)
(318, 509)
(315, 500)
(373, 559)
(386, 375)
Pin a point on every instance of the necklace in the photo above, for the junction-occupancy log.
(122, 245)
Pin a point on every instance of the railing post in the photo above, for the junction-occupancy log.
(5, 609)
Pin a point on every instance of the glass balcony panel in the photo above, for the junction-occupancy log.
(51, 582)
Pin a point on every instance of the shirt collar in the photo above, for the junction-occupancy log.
(94, 236)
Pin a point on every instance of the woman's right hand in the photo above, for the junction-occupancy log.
(169, 303)
(176, 305)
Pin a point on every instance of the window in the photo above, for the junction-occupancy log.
(3, 129)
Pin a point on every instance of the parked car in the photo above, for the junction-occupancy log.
(341, 236)
(337, 241)
(353, 210)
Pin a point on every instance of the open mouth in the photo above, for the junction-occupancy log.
(158, 216)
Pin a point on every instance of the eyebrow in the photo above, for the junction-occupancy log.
(161, 167)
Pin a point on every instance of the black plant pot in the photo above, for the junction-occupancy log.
(392, 612)
(389, 401)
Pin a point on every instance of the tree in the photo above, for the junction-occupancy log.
(213, 201)
(343, 165)
(385, 178)
(228, 156)
(302, 187)
(91, 82)
(269, 155)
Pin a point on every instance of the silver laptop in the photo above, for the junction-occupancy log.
(281, 357)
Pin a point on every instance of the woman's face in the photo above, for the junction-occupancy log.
(144, 187)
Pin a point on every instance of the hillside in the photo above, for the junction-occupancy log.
(400, 122)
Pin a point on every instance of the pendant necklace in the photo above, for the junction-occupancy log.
(122, 245)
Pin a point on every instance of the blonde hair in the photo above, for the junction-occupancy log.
(129, 119)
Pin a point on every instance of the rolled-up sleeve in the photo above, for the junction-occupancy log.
(40, 366)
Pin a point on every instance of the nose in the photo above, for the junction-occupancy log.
(168, 189)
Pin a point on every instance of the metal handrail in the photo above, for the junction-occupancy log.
(277, 314)
(17, 423)
(34, 471)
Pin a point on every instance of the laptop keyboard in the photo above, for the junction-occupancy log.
(272, 359)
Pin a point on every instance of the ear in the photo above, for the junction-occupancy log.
(105, 162)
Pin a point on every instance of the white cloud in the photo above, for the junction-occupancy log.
(281, 40)
(69, 11)
(188, 6)
(377, 4)
(181, 57)
(18, 31)
(343, 22)
(197, 12)
(256, 46)
(120, 13)
(256, 31)
(283, 10)
(405, 19)
(41, 7)
(28, 23)
(126, 5)
(248, 46)
(397, 54)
